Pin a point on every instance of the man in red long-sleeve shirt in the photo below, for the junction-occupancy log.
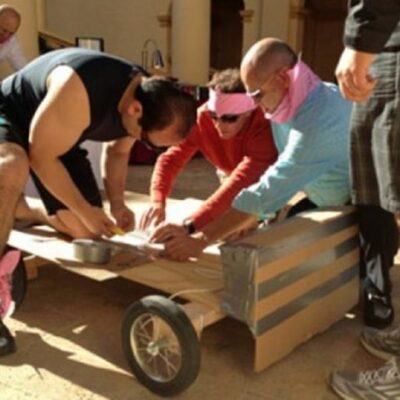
(233, 135)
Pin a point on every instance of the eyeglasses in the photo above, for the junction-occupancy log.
(226, 118)
(259, 93)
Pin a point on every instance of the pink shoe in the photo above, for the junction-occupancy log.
(8, 263)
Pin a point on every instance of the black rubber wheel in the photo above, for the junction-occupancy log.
(161, 345)
(19, 283)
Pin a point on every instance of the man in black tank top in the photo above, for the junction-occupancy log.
(51, 106)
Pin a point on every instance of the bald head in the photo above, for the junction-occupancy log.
(5, 8)
(267, 56)
(264, 72)
(10, 20)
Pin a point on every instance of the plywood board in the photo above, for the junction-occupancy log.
(44, 242)
(199, 280)
(47, 244)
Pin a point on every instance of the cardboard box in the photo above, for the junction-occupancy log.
(292, 279)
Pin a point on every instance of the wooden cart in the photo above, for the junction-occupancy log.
(287, 282)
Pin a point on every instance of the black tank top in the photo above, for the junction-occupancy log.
(105, 78)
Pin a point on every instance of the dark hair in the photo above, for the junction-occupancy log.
(163, 102)
(227, 81)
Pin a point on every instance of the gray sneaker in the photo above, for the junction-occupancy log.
(383, 344)
(378, 384)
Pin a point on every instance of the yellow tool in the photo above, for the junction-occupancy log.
(118, 231)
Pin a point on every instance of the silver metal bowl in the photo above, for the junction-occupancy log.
(92, 251)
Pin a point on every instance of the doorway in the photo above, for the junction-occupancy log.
(323, 33)
(226, 34)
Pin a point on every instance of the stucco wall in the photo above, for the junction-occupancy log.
(270, 19)
(124, 24)
(275, 19)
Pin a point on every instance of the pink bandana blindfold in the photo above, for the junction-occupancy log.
(229, 103)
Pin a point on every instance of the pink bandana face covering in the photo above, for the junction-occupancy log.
(229, 103)
(302, 83)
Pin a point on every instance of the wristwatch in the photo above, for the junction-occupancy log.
(189, 226)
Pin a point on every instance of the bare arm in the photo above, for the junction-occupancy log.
(55, 128)
(115, 170)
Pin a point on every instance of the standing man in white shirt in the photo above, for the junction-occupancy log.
(10, 49)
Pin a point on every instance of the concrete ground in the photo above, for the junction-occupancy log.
(68, 336)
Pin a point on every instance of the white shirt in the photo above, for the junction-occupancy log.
(11, 51)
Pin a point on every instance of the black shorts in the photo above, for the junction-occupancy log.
(75, 161)
(10, 133)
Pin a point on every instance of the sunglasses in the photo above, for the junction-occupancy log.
(226, 118)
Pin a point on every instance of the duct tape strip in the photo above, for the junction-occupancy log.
(294, 307)
(318, 262)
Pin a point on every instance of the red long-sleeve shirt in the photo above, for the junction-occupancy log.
(243, 158)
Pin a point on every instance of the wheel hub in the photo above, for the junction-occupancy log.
(153, 348)
(161, 345)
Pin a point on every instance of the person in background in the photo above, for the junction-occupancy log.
(368, 74)
(10, 49)
(233, 135)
